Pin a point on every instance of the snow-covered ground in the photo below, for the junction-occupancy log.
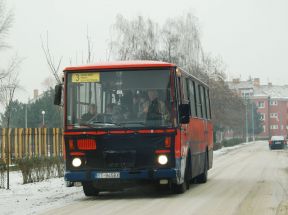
(225, 150)
(38, 197)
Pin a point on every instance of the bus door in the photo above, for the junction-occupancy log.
(198, 132)
(202, 96)
(184, 128)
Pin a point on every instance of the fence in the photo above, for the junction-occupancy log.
(29, 142)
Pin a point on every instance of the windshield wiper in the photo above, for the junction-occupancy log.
(101, 123)
(131, 123)
(89, 125)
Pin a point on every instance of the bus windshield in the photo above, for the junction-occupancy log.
(118, 98)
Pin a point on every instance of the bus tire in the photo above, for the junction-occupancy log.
(89, 189)
(181, 188)
(202, 178)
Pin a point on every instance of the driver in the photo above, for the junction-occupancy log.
(92, 113)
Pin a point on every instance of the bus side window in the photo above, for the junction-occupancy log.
(192, 98)
(185, 99)
(203, 102)
(208, 103)
(179, 91)
(198, 101)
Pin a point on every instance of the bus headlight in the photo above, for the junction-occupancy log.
(162, 159)
(76, 162)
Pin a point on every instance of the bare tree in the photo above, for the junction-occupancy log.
(90, 56)
(182, 44)
(2, 75)
(54, 67)
(228, 108)
(8, 86)
(136, 39)
(6, 20)
(48, 82)
(171, 40)
(177, 41)
(9, 83)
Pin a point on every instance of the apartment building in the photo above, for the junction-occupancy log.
(272, 103)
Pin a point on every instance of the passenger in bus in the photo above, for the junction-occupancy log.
(137, 106)
(110, 114)
(154, 108)
(109, 108)
(92, 113)
(113, 113)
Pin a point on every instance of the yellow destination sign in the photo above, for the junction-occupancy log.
(86, 77)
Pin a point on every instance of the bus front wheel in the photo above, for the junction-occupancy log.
(89, 189)
(181, 188)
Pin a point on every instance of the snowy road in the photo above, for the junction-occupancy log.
(246, 181)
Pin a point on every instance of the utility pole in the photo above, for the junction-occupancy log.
(43, 118)
(252, 116)
(26, 113)
(281, 123)
(8, 146)
(246, 119)
(268, 108)
(26, 116)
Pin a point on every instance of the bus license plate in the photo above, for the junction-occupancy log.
(108, 175)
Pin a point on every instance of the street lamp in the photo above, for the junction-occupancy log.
(246, 118)
(26, 113)
(268, 109)
(43, 118)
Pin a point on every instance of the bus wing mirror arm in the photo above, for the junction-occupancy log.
(184, 113)
(58, 95)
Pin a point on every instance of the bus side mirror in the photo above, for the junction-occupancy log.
(58, 94)
(184, 111)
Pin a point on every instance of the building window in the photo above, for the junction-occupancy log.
(273, 115)
(274, 127)
(273, 103)
(261, 105)
(262, 116)
(264, 128)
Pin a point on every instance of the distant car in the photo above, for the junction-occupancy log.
(277, 142)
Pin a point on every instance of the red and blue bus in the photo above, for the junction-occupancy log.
(134, 122)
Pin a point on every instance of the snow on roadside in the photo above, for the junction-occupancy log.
(36, 197)
(225, 150)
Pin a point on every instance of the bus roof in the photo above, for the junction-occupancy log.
(121, 65)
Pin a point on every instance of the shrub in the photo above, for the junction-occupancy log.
(25, 166)
(36, 169)
(232, 142)
(217, 146)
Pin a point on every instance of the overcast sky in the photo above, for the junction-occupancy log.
(251, 36)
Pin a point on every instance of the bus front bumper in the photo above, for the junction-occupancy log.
(80, 176)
